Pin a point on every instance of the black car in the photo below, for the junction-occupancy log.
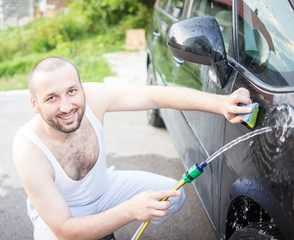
(219, 46)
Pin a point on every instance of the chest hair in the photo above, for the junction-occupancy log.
(78, 154)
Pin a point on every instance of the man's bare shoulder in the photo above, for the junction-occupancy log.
(24, 151)
(96, 90)
(105, 97)
(97, 97)
(21, 134)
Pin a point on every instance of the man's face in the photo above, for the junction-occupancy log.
(60, 98)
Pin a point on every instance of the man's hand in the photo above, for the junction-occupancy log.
(147, 206)
(231, 108)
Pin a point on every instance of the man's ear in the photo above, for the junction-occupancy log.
(35, 105)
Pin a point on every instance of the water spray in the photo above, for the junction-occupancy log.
(197, 169)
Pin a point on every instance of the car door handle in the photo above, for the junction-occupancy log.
(178, 61)
(156, 34)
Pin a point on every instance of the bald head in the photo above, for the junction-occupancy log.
(49, 64)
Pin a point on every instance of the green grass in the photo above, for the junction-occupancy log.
(86, 54)
(18, 81)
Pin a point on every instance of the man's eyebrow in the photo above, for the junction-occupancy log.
(73, 86)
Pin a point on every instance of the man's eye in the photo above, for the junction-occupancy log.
(72, 91)
(50, 99)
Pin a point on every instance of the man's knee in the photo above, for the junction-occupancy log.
(179, 201)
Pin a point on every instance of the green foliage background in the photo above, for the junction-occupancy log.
(88, 29)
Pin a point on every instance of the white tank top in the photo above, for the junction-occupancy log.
(81, 195)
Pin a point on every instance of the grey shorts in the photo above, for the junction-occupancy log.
(124, 184)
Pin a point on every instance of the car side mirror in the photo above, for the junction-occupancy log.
(199, 40)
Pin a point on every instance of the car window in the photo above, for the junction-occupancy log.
(222, 11)
(266, 33)
(161, 3)
(175, 8)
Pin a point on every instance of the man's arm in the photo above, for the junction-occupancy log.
(108, 98)
(37, 176)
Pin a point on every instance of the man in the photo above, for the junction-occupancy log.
(59, 154)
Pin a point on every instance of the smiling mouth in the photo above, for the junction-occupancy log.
(67, 116)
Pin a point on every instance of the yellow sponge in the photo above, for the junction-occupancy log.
(250, 118)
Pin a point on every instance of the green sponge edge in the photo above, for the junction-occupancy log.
(252, 120)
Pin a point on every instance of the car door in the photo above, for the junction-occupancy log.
(264, 61)
(208, 128)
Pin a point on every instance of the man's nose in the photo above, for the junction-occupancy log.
(65, 105)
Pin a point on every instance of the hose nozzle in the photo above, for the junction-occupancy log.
(194, 172)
